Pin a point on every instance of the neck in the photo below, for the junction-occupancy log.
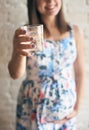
(50, 23)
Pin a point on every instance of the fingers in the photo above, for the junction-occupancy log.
(60, 121)
(69, 117)
(26, 40)
(23, 43)
(26, 46)
(24, 53)
(25, 49)
(20, 31)
(73, 114)
(21, 36)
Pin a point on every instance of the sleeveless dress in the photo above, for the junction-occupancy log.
(49, 91)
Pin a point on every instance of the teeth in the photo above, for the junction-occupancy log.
(50, 7)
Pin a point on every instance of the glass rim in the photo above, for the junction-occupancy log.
(32, 25)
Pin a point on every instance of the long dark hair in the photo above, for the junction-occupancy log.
(34, 17)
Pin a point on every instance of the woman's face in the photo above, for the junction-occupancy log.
(48, 7)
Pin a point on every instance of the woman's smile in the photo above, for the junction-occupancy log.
(51, 8)
(48, 8)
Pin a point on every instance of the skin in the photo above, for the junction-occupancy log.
(17, 65)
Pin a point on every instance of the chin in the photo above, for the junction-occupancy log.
(52, 13)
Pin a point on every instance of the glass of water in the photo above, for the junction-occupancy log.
(36, 32)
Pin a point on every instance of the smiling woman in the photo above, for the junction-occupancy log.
(48, 8)
(50, 96)
(35, 16)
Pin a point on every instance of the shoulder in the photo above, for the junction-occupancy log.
(77, 30)
(78, 34)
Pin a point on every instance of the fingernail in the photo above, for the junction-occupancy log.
(33, 45)
(24, 31)
(31, 38)
(34, 41)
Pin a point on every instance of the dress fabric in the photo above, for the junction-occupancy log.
(49, 91)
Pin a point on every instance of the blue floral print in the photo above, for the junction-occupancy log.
(49, 91)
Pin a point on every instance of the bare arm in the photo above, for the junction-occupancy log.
(79, 73)
(17, 64)
(79, 67)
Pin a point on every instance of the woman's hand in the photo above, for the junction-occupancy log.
(21, 43)
(70, 116)
(73, 114)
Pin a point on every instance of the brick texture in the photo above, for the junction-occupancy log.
(13, 13)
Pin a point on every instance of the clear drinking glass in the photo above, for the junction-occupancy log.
(36, 32)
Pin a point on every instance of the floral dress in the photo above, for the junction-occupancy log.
(49, 91)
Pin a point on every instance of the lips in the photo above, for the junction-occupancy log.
(51, 8)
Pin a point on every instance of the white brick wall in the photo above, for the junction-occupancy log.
(13, 14)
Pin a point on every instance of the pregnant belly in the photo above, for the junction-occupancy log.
(51, 110)
(57, 112)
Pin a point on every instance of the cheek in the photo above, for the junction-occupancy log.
(40, 5)
(40, 8)
(59, 2)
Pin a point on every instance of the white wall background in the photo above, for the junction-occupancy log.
(13, 13)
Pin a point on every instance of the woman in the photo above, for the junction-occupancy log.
(50, 96)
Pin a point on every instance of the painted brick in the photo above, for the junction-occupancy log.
(13, 13)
